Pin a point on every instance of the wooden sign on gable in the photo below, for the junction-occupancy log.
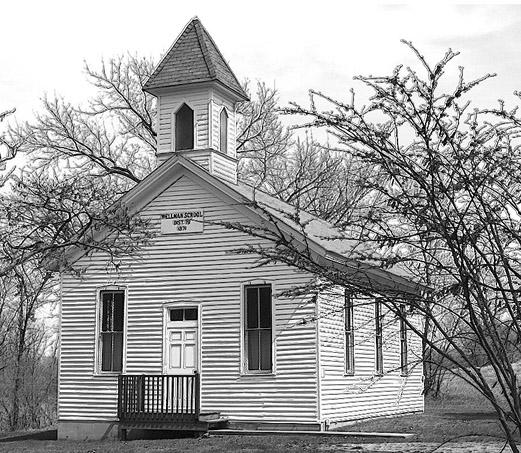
(182, 222)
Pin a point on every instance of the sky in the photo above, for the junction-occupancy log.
(294, 46)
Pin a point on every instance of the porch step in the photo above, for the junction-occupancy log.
(209, 416)
(217, 424)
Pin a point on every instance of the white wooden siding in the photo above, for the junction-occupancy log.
(221, 100)
(199, 267)
(196, 99)
(205, 102)
(224, 168)
(364, 394)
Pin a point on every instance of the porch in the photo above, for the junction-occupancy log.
(162, 402)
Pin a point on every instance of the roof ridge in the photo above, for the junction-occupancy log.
(204, 49)
(192, 58)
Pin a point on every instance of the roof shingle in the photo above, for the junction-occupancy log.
(193, 58)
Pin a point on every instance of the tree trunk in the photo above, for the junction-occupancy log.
(14, 418)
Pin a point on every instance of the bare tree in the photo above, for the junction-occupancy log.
(112, 136)
(441, 203)
(263, 142)
(319, 180)
(8, 150)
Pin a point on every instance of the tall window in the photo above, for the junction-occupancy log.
(258, 325)
(403, 342)
(224, 131)
(111, 330)
(184, 128)
(379, 359)
(349, 333)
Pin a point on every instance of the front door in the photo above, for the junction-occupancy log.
(181, 342)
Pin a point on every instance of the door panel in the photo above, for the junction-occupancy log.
(182, 347)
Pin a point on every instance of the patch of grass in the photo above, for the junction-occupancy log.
(460, 411)
(442, 420)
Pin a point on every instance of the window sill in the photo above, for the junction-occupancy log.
(107, 373)
(254, 375)
(349, 374)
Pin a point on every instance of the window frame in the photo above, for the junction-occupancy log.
(349, 334)
(378, 334)
(173, 123)
(404, 347)
(98, 354)
(244, 371)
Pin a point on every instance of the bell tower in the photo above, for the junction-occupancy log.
(197, 94)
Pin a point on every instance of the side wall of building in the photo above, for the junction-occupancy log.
(203, 268)
(364, 393)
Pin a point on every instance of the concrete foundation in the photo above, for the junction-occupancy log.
(85, 430)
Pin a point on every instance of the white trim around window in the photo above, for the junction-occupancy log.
(97, 334)
(349, 334)
(244, 361)
(175, 109)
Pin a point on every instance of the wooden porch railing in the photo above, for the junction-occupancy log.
(158, 398)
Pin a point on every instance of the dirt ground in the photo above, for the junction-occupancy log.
(250, 444)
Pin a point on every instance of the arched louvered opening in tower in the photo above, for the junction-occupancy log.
(224, 131)
(184, 128)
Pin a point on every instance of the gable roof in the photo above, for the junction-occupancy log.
(194, 57)
(331, 241)
(248, 200)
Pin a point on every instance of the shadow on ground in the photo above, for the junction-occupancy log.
(44, 434)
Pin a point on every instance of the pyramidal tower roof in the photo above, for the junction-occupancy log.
(193, 58)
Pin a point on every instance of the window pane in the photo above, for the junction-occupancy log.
(224, 131)
(350, 352)
(252, 319)
(348, 312)
(184, 128)
(253, 350)
(191, 314)
(118, 312)
(117, 351)
(265, 307)
(106, 312)
(176, 314)
(106, 351)
(265, 349)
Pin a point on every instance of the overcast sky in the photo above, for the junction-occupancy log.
(292, 45)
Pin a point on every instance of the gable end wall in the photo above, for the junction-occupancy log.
(199, 267)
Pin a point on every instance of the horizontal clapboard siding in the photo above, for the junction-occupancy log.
(364, 394)
(224, 168)
(221, 100)
(199, 267)
(197, 100)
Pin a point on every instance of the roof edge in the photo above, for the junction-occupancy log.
(167, 52)
(241, 97)
(136, 198)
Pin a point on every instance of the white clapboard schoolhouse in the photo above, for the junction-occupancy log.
(189, 333)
